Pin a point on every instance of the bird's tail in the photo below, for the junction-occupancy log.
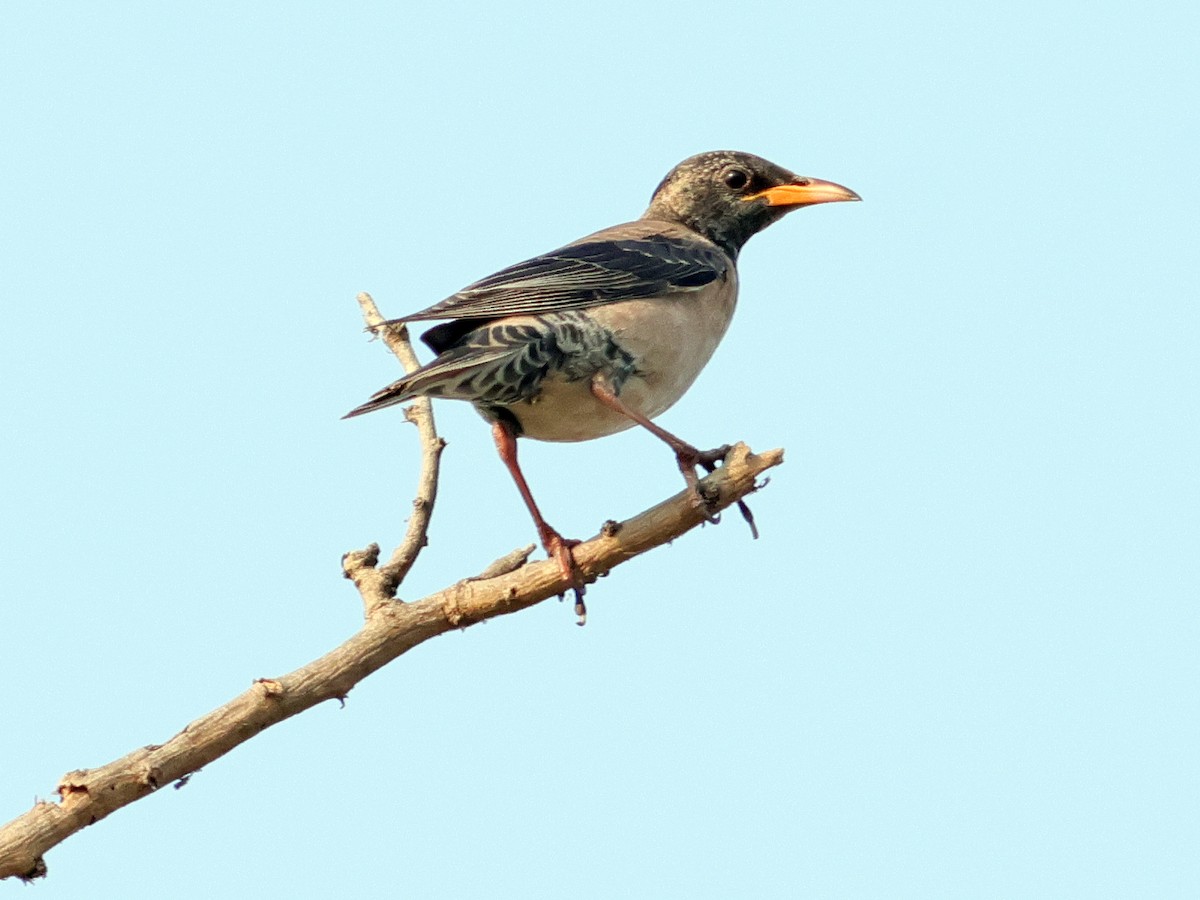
(450, 376)
(396, 392)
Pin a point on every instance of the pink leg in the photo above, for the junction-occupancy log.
(686, 455)
(557, 547)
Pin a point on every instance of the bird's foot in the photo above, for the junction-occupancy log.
(706, 458)
(689, 458)
(559, 548)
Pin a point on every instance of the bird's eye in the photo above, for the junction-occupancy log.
(736, 179)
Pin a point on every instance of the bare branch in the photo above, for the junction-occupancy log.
(509, 562)
(378, 585)
(88, 795)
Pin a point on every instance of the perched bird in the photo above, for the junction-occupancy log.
(609, 331)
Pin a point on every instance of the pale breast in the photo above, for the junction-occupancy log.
(670, 338)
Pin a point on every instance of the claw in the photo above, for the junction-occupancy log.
(749, 517)
(558, 548)
(689, 458)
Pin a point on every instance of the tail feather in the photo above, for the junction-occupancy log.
(396, 392)
(439, 378)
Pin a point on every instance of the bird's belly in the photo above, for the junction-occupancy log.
(567, 411)
(670, 339)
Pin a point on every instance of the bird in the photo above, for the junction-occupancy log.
(609, 331)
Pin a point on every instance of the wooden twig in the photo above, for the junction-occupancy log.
(391, 628)
(378, 584)
(88, 795)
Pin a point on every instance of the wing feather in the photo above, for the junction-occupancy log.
(589, 273)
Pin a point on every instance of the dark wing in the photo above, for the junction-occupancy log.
(585, 274)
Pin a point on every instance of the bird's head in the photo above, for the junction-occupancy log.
(729, 196)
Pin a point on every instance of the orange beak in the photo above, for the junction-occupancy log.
(805, 192)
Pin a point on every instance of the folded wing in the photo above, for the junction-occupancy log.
(580, 275)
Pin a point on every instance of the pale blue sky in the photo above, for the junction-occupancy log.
(961, 661)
